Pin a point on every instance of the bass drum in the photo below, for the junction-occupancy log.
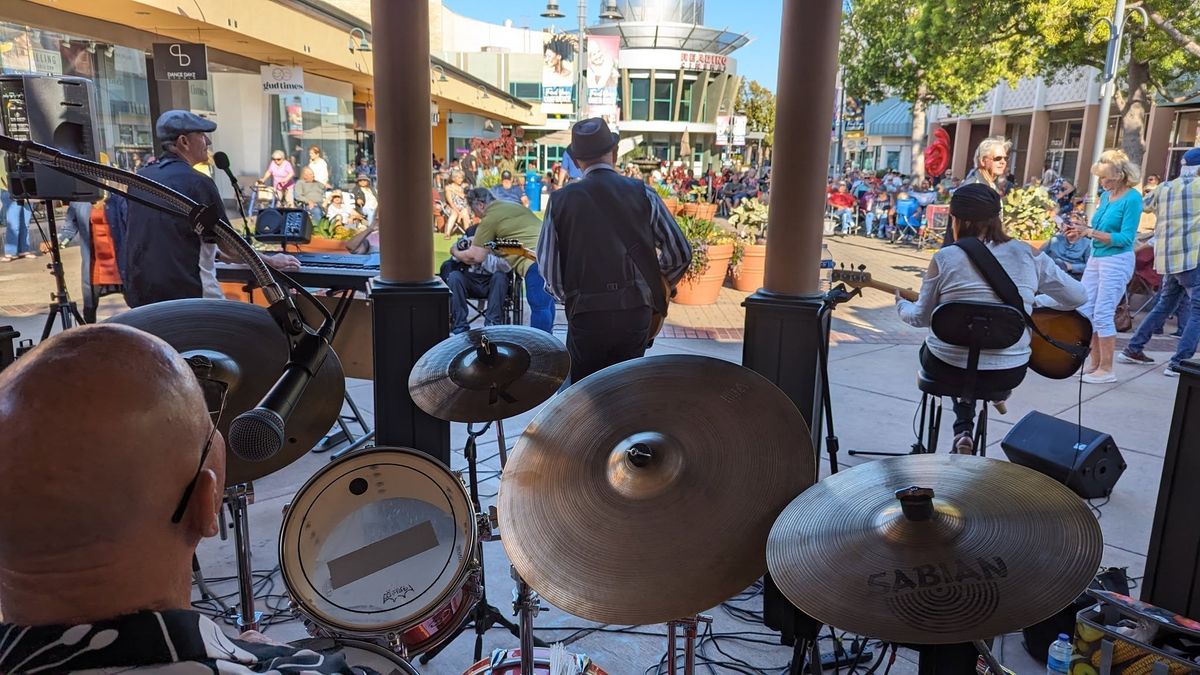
(508, 662)
(360, 654)
(382, 542)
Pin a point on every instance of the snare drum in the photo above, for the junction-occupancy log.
(382, 542)
(508, 662)
(359, 653)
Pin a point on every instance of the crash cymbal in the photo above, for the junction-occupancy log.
(250, 351)
(999, 547)
(489, 374)
(645, 492)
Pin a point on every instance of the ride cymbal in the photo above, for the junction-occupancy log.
(645, 492)
(249, 351)
(996, 548)
(489, 374)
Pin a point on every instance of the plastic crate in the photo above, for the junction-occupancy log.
(1098, 649)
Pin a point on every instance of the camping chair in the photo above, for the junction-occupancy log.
(1145, 281)
(908, 220)
(937, 219)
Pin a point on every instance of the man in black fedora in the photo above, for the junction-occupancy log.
(598, 255)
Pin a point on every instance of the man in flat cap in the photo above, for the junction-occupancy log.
(164, 257)
(597, 252)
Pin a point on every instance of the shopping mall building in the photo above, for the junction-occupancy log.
(1052, 125)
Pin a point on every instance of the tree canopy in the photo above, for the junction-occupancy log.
(757, 103)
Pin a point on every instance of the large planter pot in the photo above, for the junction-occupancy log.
(748, 275)
(323, 245)
(672, 205)
(706, 288)
(688, 209)
(706, 211)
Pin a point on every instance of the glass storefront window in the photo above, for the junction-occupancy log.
(1062, 154)
(685, 100)
(664, 99)
(1184, 137)
(300, 122)
(639, 98)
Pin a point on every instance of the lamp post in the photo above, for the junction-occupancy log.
(608, 11)
(1112, 62)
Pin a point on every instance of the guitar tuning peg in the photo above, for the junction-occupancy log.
(862, 268)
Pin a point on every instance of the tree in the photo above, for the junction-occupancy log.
(757, 103)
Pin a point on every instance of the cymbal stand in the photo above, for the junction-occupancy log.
(688, 626)
(526, 605)
(239, 498)
(988, 657)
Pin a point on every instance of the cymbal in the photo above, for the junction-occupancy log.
(645, 492)
(460, 380)
(250, 352)
(997, 548)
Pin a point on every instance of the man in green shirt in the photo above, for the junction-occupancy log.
(502, 220)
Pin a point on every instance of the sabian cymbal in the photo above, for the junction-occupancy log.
(489, 373)
(645, 492)
(999, 547)
(249, 350)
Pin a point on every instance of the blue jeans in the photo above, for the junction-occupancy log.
(881, 218)
(1183, 286)
(78, 226)
(541, 304)
(16, 231)
(846, 216)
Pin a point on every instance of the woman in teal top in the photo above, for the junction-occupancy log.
(1113, 231)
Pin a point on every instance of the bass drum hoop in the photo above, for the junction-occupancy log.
(323, 644)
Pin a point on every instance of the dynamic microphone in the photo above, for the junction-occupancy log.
(258, 434)
(221, 160)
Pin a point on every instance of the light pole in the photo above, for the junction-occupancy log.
(608, 11)
(1112, 62)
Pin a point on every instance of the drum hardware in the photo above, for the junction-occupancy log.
(527, 604)
(362, 653)
(688, 626)
(239, 498)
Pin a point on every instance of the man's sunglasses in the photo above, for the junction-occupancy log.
(181, 508)
(1001, 158)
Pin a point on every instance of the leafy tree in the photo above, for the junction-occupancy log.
(757, 103)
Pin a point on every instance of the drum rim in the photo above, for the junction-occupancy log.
(466, 566)
(365, 645)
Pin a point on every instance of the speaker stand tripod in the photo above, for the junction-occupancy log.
(60, 302)
(689, 628)
(484, 616)
(239, 498)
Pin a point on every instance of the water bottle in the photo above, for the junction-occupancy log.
(826, 268)
(1058, 660)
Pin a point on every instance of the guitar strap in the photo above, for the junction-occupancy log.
(993, 273)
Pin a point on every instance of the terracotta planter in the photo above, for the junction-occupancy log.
(748, 276)
(689, 209)
(672, 205)
(1035, 243)
(323, 245)
(706, 288)
(706, 211)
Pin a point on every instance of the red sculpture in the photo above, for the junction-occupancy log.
(937, 154)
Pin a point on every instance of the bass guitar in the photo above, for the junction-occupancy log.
(1059, 343)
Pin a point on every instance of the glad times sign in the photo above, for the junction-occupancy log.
(702, 61)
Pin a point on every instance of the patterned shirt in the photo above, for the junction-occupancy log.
(173, 641)
(675, 253)
(1177, 231)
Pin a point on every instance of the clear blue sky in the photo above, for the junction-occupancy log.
(757, 61)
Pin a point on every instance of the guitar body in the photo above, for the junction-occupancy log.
(1068, 327)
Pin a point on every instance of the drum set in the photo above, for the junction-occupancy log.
(648, 493)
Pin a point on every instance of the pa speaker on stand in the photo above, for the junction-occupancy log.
(1085, 460)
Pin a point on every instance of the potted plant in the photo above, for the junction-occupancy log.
(327, 237)
(712, 247)
(1028, 214)
(697, 204)
(668, 197)
(749, 262)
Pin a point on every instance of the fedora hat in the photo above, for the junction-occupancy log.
(591, 138)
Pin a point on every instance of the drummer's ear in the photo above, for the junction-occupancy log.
(208, 497)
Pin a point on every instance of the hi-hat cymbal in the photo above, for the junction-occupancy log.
(645, 492)
(489, 374)
(249, 349)
(997, 548)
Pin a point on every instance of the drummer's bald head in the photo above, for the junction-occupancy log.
(103, 426)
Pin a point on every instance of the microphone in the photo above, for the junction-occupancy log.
(258, 434)
(221, 160)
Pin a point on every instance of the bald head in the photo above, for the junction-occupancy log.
(103, 428)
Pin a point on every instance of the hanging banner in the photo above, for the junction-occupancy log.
(723, 124)
(558, 67)
(282, 80)
(739, 130)
(603, 75)
(853, 117)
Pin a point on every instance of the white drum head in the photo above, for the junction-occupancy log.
(359, 654)
(374, 542)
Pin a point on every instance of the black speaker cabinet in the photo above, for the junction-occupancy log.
(54, 111)
(1085, 460)
(290, 226)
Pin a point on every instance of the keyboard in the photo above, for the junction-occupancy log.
(338, 260)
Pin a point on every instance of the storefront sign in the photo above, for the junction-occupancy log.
(282, 80)
(180, 61)
(702, 61)
(739, 130)
(47, 62)
(723, 124)
(559, 51)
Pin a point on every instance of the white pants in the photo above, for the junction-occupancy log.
(1105, 280)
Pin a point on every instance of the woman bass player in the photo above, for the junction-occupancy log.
(953, 277)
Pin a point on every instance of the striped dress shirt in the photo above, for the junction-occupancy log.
(675, 253)
(1176, 204)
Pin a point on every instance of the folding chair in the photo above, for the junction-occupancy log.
(1145, 281)
(908, 221)
(937, 219)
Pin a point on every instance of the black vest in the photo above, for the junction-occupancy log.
(601, 222)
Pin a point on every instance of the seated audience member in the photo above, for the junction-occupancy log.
(365, 201)
(1070, 250)
(952, 277)
(339, 211)
(842, 203)
(103, 513)
(506, 191)
(310, 194)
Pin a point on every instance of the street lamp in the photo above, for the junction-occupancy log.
(609, 11)
(1116, 32)
(361, 43)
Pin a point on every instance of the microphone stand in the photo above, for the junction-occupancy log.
(241, 204)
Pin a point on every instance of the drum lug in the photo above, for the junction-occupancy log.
(483, 523)
(286, 507)
(396, 644)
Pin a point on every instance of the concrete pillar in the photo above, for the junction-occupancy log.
(997, 124)
(1087, 145)
(1039, 134)
(803, 116)
(1158, 141)
(410, 308)
(962, 159)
